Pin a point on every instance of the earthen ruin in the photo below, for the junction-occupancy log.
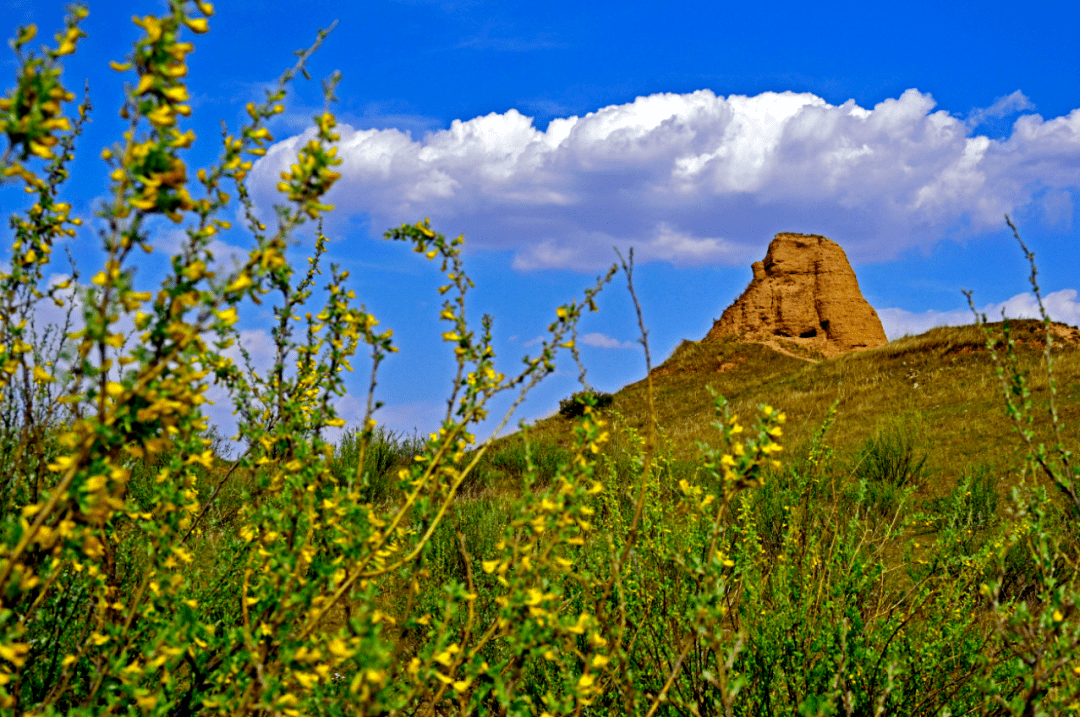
(804, 295)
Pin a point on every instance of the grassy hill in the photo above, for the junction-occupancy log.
(898, 553)
(937, 392)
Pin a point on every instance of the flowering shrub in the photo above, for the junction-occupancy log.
(139, 570)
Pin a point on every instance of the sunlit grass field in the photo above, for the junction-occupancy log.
(938, 390)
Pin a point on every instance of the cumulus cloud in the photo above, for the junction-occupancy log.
(603, 341)
(411, 418)
(1061, 305)
(1002, 107)
(226, 256)
(699, 179)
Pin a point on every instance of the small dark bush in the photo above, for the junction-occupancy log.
(971, 505)
(891, 458)
(575, 405)
(513, 461)
(888, 467)
(387, 451)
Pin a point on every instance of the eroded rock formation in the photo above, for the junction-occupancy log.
(803, 295)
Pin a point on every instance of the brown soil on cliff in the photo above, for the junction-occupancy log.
(804, 299)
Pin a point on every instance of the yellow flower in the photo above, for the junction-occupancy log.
(28, 33)
(42, 376)
(195, 271)
(15, 653)
(183, 141)
(147, 702)
(242, 282)
(177, 94)
(66, 48)
(228, 316)
(40, 150)
(161, 116)
(95, 483)
(146, 83)
(144, 204)
(151, 25)
(61, 123)
(61, 463)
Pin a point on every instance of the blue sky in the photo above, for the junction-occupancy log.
(548, 132)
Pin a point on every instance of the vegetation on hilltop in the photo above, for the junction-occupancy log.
(939, 388)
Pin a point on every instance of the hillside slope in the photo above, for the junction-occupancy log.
(939, 388)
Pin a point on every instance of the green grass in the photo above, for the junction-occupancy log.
(387, 452)
(940, 384)
(861, 563)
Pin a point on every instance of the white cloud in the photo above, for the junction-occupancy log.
(700, 179)
(603, 341)
(1002, 107)
(1061, 305)
(898, 322)
(486, 41)
(226, 256)
(411, 418)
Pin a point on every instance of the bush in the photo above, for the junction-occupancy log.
(384, 453)
(891, 458)
(574, 406)
(144, 571)
(530, 464)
